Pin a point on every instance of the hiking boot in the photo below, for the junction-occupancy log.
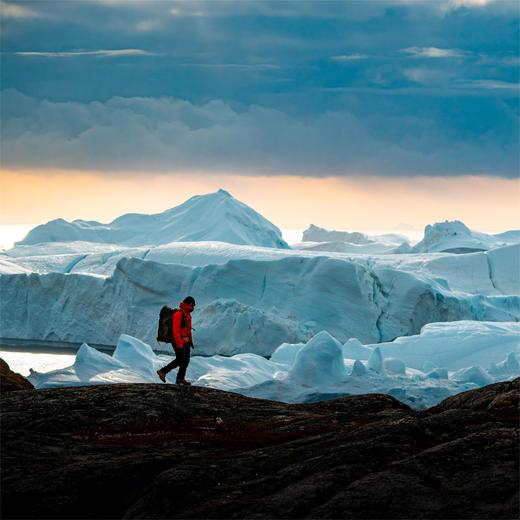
(183, 382)
(162, 375)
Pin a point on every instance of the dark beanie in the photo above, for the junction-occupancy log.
(189, 300)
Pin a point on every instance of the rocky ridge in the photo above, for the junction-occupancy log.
(162, 451)
(10, 380)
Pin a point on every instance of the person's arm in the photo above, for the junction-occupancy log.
(176, 328)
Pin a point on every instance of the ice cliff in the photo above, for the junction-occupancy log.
(243, 305)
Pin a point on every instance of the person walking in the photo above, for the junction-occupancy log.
(182, 341)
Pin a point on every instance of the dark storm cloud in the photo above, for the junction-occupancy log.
(395, 87)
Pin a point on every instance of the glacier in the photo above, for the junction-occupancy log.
(493, 272)
(246, 305)
(339, 313)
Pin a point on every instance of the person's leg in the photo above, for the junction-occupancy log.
(175, 363)
(184, 362)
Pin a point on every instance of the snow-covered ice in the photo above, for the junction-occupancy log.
(338, 313)
(453, 345)
(317, 234)
(455, 236)
(250, 297)
(356, 249)
(243, 305)
(319, 362)
(448, 236)
(319, 239)
(323, 367)
(491, 272)
(216, 216)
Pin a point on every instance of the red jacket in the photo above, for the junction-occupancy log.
(182, 335)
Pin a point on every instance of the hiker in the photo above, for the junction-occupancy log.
(181, 341)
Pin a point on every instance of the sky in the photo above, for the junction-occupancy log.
(345, 114)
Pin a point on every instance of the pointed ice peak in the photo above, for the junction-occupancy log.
(324, 339)
(89, 362)
(375, 361)
(224, 193)
(512, 361)
(134, 352)
(510, 364)
(438, 373)
(206, 198)
(475, 374)
(493, 369)
(428, 366)
(358, 369)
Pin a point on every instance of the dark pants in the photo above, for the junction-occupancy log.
(182, 360)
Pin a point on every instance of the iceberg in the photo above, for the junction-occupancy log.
(375, 361)
(243, 305)
(492, 272)
(317, 369)
(454, 236)
(319, 239)
(319, 362)
(358, 368)
(475, 375)
(394, 366)
(317, 234)
(453, 345)
(231, 221)
(375, 317)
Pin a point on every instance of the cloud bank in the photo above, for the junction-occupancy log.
(317, 88)
(172, 135)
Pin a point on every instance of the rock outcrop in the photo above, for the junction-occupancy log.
(10, 380)
(151, 451)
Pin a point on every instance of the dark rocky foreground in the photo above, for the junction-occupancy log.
(160, 451)
(10, 380)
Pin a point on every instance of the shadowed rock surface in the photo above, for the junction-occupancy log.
(10, 380)
(161, 451)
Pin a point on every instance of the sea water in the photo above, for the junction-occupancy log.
(23, 361)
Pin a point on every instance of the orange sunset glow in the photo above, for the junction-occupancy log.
(288, 201)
